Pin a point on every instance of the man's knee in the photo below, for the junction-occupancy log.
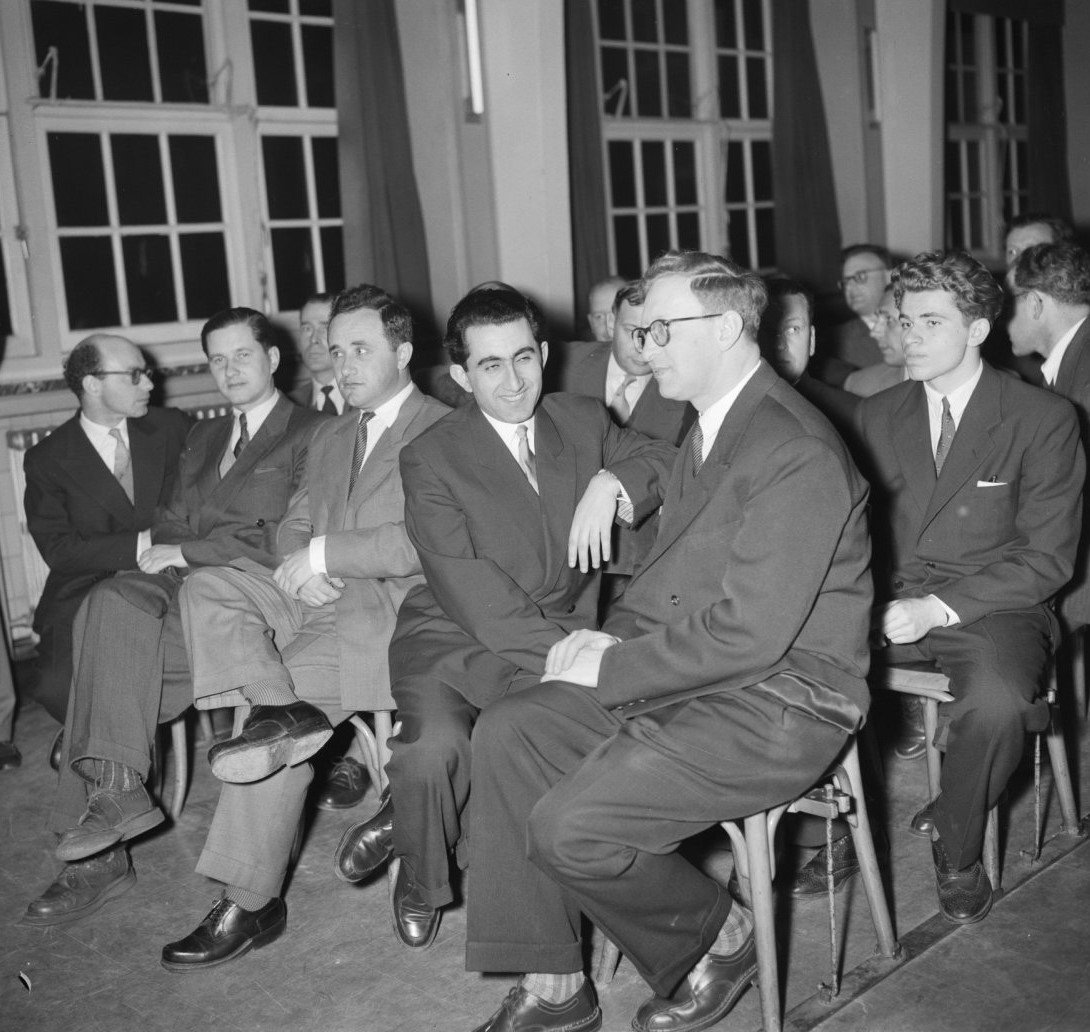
(565, 837)
(431, 746)
(208, 583)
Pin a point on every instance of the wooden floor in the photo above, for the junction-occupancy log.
(340, 967)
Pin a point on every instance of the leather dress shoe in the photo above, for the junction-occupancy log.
(701, 1000)
(524, 1012)
(415, 921)
(227, 931)
(55, 750)
(9, 755)
(923, 823)
(345, 786)
(82, 888)
(965, 895)
(365, 847)
(272, 737)
(912, 742)
(811, 881)
(110, 818)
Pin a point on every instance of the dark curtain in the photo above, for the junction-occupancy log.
(590, 243)
(807, 225)
(1046, 116)
(383, 224)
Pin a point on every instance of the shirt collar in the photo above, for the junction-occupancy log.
(387, 412)
(711, 419)
(258, 414)
(96, 432)
(958, 397)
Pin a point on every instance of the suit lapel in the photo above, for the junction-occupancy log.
(272, 429)
(556, 480)
(148, 465)
(911, 434)
(384, 454)
(336, 465)
(85, 467)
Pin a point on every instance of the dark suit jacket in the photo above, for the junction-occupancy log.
(1073, 382)
(365, 541)
(584, 373)
(80, 517)
(760, 567)
(499, 591)
(999, 528)
(218, 521)
(837, 405)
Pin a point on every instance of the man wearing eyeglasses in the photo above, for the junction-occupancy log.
(92, 487)
(235, 478)
(725, 681)
(864, 275)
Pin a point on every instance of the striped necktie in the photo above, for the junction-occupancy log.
(122, 463)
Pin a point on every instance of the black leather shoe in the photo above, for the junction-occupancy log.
(965, 895)
(82, 888)
(365, 847)
(415, 921)
(912, 742)
(272, 737)
(227, 932)
(524, 1012)
(702, 1000)
(923, 823)
(55, 750)
(812, 881)
(345, 786)
(110, 818)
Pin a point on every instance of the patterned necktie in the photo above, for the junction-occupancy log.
(696, 443)
(122, 462)
(243, 435)
(526, 457)
(946, 436)
(359, 452)
(619, 405)
(328, 405)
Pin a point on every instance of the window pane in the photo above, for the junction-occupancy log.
(675, 22)
(726, 31)
(736, 176)
(951, 49)
(654, 172)
(761, 153)
(950, 98)
(678, 94)
(644, 21)
(730, 102)
(755, 81)
(688, 230)
(274, 63)
(622, 174)
(138, 179)
(318, 65)
(968, 40)
(319, 8)
(954, 235)
(766, 238)
(179, 41)
(326, 177)
(952, 168)
(611, 19)
(271, 6)
(1020, 99)
(616, 89)
(976, 223)
(90, 288)
(333, 257)
(972, 166)
(79, 184)
(648, 97)
(204, 274)
(148, 276)
(685, 173)
(626, 241)
(658, 235)
(293, 263)
(285, 178)
(196, 181)
(63, 26)
(969, 109)
(753, 24)
(738, 238)
(123, 53)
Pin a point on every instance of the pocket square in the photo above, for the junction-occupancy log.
(991, 483)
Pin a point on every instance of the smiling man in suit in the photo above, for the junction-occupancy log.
(92, 488)
(234, 481)
(725, 681)
(977, 479)
(510, 502)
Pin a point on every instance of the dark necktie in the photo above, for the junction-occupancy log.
(359, 452)
(243, 435)
(328, 405)
(526, 457)
(946, 436)
(122, 462)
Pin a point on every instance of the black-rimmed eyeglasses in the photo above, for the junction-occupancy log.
(134, 375)
(860, 277)
(659, 330)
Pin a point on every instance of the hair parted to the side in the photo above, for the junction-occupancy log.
(259, 326)
(1061, 271)
(488, 306)
(397, 323)
(976, 293)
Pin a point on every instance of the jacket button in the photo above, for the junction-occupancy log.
(571, 609)
(930, 566)
(898, 585)
(260, 523)
(674, 600)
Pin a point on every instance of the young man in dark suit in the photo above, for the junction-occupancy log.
(235, 479)
(510, 502)
(725, 681)
(86, 522)
(977, 479)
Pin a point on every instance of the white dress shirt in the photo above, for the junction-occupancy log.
(106, 446)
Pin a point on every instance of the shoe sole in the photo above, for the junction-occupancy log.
(244, 765)
(255, 942)
(748, 978)
(342, 848)
(84, 846)
(111, 891)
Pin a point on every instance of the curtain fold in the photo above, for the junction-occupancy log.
(1046, 117)
(807, 224)
(384, 236)
(589, 228)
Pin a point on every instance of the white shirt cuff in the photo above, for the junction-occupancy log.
(317, 554)
(951, 616)
(143, 543)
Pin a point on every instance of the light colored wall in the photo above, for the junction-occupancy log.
(1077, 75)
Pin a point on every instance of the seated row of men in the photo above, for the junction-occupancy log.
(448, 564)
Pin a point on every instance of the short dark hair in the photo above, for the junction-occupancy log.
(1062, 271)
(976, 293)
(323, 297)
(879, 252)
(780, 287)
(1062, 230)
(260, 327)
(489, 307)
(84, 360)
(397, 323)
(717, 283)
(630, 293)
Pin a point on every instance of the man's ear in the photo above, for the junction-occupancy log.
(813, 346)
(611, 321)
(404, 353)
(274, 358)
(544, 352)
(92, 385)
(460, 377)
(730, 329)
(978, 332)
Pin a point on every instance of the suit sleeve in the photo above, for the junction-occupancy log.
(296, 528)
(472, 590)
(641, 463)
(774, 551)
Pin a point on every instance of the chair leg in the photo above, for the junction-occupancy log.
(991, 849)
(934, 757)
(180, 746)
(760, 887)
(605, 958)
(1078, 671)
(1061, 777)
